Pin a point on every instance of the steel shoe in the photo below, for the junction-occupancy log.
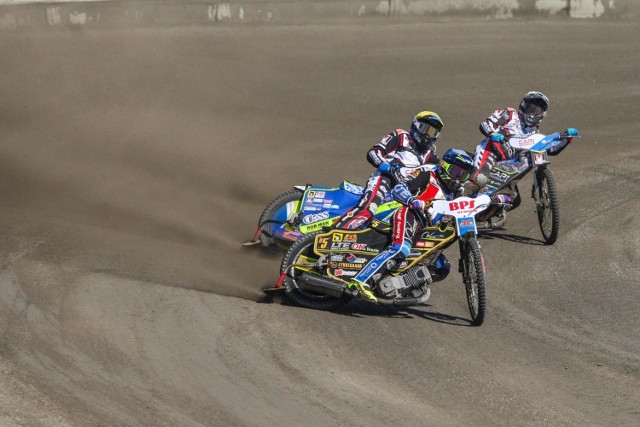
(362, 291)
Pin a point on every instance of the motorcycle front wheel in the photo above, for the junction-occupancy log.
(547, 207)
(474, 280)
(301, 258)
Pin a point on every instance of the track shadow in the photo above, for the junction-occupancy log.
(357, 308)
(511, 238)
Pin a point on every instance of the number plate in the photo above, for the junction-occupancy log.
(466, 224)
(539, 157)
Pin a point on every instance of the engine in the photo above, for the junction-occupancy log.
(395, 286)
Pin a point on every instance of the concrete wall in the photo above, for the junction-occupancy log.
(60, 14)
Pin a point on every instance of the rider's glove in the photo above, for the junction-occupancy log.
(572, 132)
(387, 167)
(418, 205)
(497, 137)
(402, 194)
(509, 150)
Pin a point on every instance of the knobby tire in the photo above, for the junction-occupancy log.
(547, 206)
(474, 281)
(309, 299)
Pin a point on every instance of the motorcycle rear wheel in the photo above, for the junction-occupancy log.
(301, 253)
(474, 281)
(547, 206)
(267, 222)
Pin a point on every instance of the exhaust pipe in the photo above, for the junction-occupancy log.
(322, 285)
(336, 289)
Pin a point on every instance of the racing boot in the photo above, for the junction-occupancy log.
(362, 291)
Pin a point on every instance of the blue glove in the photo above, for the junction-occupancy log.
(572, 132)
(387, 167)
(418, 205)
(402, 194)
(497, 137)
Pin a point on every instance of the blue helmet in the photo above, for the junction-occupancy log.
(454, 168)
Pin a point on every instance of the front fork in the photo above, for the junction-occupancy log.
(536, 186)
(463, 268)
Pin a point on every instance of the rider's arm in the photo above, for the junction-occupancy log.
(496, 121)
(565, 139)
(404, 193)
(381, 151)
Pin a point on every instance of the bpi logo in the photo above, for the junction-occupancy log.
(463, 204)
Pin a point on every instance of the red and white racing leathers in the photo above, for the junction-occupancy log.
(507, 122)
(397, 148)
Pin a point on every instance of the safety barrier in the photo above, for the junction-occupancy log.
(62, 14)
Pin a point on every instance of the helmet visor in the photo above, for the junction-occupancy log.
(455, 172)
(533, 110)
(426, 129)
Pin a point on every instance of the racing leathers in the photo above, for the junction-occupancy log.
(407, 221)
(397, 149)
(497, 128)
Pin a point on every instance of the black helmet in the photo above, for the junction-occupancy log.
(533, 108)
(425, 128)
(454, 168)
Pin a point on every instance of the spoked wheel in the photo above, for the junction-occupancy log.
(277, 213)
(546, 198)
(299, 259)
(474, 281)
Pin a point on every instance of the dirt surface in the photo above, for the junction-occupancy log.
(134, 162)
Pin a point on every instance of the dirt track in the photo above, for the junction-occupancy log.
(134, 162)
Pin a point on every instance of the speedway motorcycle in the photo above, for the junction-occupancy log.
(317, 267)
(502, 183)
(310, 208)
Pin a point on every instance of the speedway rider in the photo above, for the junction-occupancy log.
(416, 196)
(498, 128)
(397, 149)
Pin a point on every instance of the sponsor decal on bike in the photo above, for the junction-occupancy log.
(414, 254)
(317, 225)
(466, 224)
(340, 272)
(346, 265)
(462, 205)
(337, 257)
(350, 238)
(315, 217)
(352, 188)
(499, 176)
(340, 246)
(539, 158)
(358, 246)
(337, 237)
(424, 244)
(352, 259)
(291, 235)
(432, 235)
